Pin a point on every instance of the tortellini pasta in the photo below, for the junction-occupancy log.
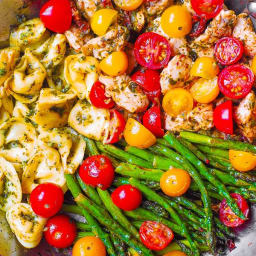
(25, 224)
(6, 106)
(81, 72)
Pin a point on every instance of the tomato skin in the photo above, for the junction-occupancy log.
(97, 171)
(236, 81)
(152, 50)
(46, 199)
(98, 97)
(199, 25)
(227, 217)
(152, 121)
(60, 231)
(52, 15)
(242, 161)
(155, 235)
(223, 117)
(228, 50)
(127, 197)
(175, 253)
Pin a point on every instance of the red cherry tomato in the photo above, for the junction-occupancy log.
(127, 197)
(207, 8)
(228, 50)
(97, 171)
(155, 236)
(46, 199)
(227, 217)
(98, 97)
(117, 124)
(60, 231)
(199, 25)
(223, 117)
(152, 121)
(236, 81)
(56, 15)
(152, 50)
(149, 80)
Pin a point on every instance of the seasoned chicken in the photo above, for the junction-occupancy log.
(245, 32)
(187, 4)
(200, 118)
(156, 7)
(133, 20)
(100, 47)
(125, 93)
(176, 73)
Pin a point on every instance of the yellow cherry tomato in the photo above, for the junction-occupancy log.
(137, 135)
(175, 253)
(175, 182)
(176, 21)
(102, 19)
(205, 90)
(128, 5)
(177, 101)
(242, 161)
(253, 66)
(89, 246)
(205, 67)
(115, 64)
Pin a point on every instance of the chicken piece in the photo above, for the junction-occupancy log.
(176, 73)
(187, 4)
(245, 115)
(133, 20)
(156, 7)
(100, 47)
(125, 93)
(245, 32)
(200, 118)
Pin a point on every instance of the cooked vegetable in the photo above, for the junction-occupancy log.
(128, 5)
(242, 161)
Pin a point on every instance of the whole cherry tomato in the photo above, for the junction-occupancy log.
(155, 235)
(98, 97)
(127, 197)
(227, 217)
(152, 121)
(60, 231)
(223, 117)
(97, 171)
(46, 199)
(56, 15)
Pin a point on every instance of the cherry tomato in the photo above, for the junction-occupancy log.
(60, 231)
(56, 15)
(199, 25)
(89, 246)
(242, 161)
(253, 65)
(97, 171)
(207, 8)
(46, 199)
(117, 125)
(98, 97)
(223, 117)
(228, 50)
(152, 50)
(128, 5)
(149, 80)
(155, 235)
(152, 121)
(227, 217)
(127, 197)
(175, 253)
(236, 81)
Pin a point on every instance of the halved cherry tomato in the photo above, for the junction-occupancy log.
(175, 182)
(227, 217)
(46, 199)
(228, 50)
(155, 235)
(176, 21)
(223, 117)
(152, 121)
(117, 125)
(242, 161)
(198, 27)
(152, 50)
(56, 15)
(97, 171)
(89, 246)
(175, 253)
(207, 8)
(128, 5)
(60, 231)
(137, 135)
(98, 97)
(127, 197)
(236, 81)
